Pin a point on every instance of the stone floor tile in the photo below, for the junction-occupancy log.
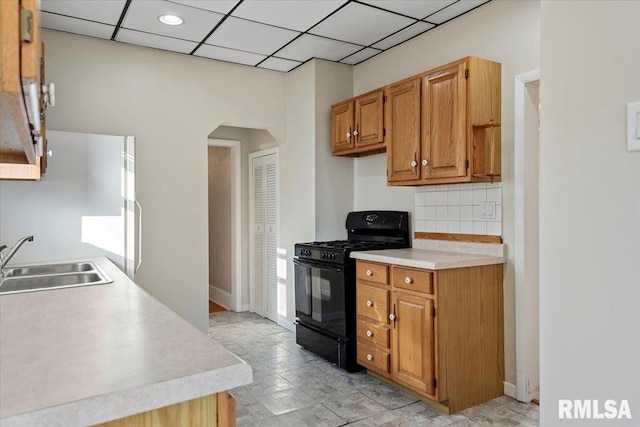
(281, 402)
(354, 407)
(388, 396)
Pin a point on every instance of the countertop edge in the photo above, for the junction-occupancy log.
(113, 406)
(469, 261)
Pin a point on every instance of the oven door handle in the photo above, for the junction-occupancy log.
(315, 264)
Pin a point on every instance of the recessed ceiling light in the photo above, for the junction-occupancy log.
(170, 19)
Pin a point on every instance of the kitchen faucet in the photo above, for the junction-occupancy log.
(4, 259)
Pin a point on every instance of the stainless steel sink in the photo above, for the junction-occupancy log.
(51, 276)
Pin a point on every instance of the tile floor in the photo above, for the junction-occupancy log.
(293, 387)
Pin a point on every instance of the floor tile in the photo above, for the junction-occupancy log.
(294, 387)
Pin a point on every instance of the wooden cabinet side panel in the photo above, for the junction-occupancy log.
(342, 116)
(444, 136)
(201, 412)
(369, 119)
(10, 46)
(30, 51)
(402, 121)
(470, 334)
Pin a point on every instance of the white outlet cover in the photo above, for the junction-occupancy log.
(488, 210)
(633, 126)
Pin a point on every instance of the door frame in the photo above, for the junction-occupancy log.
(236, 218)
(526, 250)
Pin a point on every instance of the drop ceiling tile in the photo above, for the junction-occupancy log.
(230, 55)
(104, 11)
(413, 8)
(220, 6)
(156, 41)
(76, 26)
(454, 10)
(143, 16)
(250, 36)
(295, 14)
(404, 35)
(363, 55)
(308, 46)
(279, 64)
(361, 24)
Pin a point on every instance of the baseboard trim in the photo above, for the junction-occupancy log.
(245, 307)
(510, 389)
(220, 297)
(286, 324)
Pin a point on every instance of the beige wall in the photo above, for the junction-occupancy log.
(170, 103)
(220, 218)
(503, 31)
(589, 207)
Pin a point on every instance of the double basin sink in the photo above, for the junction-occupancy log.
(51, 276)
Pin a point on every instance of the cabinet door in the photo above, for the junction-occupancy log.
(444, 152)
(369, 120)
(402, 121)
(413, 342)
(342, 127)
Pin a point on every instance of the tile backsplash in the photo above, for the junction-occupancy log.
(457, 208)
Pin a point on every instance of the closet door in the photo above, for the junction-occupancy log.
(264, 235)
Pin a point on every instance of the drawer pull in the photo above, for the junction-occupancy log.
(369, 303)
(369, 357)
(392, 316)
(408, 280)
(369, 273)
(369, 334)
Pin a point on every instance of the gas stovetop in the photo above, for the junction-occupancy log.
(337, 251)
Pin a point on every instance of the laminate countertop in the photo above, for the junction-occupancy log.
(439, 255)
(91, 354)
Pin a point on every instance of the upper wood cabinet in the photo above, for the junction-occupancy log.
(460, 113)
(402, 120)
(21, 122)
(357, 125)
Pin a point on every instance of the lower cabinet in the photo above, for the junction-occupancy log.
(207, 411)
(436, 334)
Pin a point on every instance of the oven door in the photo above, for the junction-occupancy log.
(320, 296)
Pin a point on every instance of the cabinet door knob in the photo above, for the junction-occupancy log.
(369, 334)
(425, 162)
(348, 135)
(355, 132)
(369, 357)
(392, 316)
(408, 280)
(414, 163)
(369, 273)
(369, 303)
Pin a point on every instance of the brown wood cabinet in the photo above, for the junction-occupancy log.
(21, 122)
(208, 411)
(441, 337)
(459, 102)
(357, 125)
(402, 120)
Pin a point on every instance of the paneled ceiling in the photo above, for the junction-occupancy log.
(274, 34)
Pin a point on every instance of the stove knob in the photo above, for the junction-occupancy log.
(324, 255)
(333, 256)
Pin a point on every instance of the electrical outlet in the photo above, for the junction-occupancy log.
(488, 210)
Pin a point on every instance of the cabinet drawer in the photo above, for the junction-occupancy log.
(375, 334)
(412, 279)
(373, 358)
(372, 272)
(372, 302)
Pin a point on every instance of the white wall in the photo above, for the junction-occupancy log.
(589, 207)
(170, 103)
(504, 31)
(220, 168)
(334, 175)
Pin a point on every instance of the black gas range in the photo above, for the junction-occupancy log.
(325, 283)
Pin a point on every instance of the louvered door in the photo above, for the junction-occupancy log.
(264, 233)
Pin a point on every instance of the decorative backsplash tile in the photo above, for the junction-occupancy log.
(458, 208)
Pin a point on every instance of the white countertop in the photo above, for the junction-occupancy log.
(438, 255)
(86, 355)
